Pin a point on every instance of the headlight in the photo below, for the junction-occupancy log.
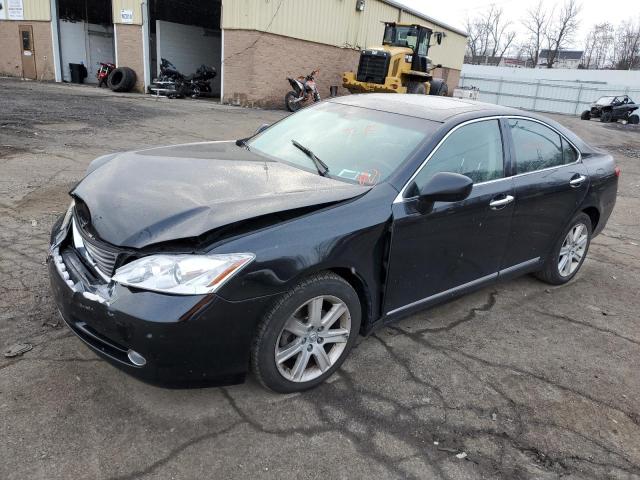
(182, 274)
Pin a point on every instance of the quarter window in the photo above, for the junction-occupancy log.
(568, 152)
(474, 150)
(538, 147)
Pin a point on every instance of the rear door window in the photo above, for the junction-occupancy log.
(537, 146)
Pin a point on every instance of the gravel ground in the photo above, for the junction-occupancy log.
(515, 381)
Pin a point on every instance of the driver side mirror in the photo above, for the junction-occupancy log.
(445, 187)
(262, 128)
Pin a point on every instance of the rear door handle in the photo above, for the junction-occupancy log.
(576, 182)
(500, 203)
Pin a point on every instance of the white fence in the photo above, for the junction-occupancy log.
(548, 90)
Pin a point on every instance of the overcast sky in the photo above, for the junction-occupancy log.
(455, 12)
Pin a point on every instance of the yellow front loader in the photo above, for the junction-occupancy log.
(400, 65)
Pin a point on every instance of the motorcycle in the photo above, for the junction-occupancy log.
(303, 88)
(103, 73)
(173, 84)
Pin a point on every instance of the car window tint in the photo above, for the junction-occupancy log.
(474, 150)
(569, 153)
(536, 146)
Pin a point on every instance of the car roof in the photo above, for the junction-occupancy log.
(428, 107)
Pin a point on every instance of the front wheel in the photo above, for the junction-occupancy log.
(416, 88)
(586, 115)
(304, 338)
(634, 119)
(606, 117)
(291, 103)
(569, 252)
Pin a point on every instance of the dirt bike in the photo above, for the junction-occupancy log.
(303, 88)
(103, 73)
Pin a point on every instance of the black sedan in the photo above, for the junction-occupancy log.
(193, 264)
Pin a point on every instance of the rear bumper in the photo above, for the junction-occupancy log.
(186, 341)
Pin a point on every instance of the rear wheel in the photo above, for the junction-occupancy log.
(569, 252)
(606, 117)
(307, 334)
(586, 115)
(290, 102)
(417, 88)
(634, 119)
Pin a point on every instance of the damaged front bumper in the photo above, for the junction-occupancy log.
(169, 340)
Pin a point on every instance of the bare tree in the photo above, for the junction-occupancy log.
(536, 22)
(563, 27)
(500, 37)
(627, 46)
(598, 46)
(489, 36)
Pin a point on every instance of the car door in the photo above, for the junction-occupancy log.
(550, 182)
(454, 245)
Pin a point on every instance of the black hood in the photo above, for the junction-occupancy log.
(141, 198)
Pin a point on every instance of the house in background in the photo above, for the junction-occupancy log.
(565, 59)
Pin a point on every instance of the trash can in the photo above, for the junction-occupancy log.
(333, 90)
(78, 72)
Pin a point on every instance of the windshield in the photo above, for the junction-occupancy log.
(605, 100)
(400, 36)
(358, 145)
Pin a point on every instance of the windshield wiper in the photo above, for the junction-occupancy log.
(322, 167)
(242, 142)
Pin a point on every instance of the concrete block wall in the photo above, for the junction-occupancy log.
(11, 49)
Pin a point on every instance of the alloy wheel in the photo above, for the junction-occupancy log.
(573, 249)
(313, 338)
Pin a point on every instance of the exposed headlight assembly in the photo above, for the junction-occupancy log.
(182, 274)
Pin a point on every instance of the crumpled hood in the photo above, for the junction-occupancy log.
(140, 198)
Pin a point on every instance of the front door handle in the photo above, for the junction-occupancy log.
(576, 182)
(500, 203)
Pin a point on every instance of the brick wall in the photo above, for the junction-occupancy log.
(11, 49)
(257, 65)
(129, 51)
(256, 74)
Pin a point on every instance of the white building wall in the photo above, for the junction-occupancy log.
(188, 47)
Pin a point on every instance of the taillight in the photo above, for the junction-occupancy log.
(617, 171)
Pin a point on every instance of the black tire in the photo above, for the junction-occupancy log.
(416, 88)
(438, 87)
(290, 104)
(634, 119)
(586, 115)
(550, 273)
(606, 117)
(271, 327)
(122, 79)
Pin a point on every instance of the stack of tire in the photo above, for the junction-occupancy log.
(122, 79)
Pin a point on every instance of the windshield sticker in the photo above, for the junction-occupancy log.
(368, 178)
(349, 174)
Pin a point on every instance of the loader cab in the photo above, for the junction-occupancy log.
(415, 37)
